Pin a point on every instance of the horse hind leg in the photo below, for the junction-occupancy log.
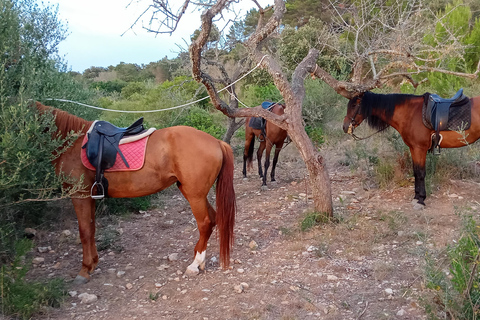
(205, 217)
(260, 150)
(275, 160)
(267, 165)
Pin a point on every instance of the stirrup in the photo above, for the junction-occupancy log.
(99, 187)
(436, 150)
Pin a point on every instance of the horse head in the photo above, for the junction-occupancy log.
(354, 117)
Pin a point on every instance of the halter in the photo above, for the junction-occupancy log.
(353, 122)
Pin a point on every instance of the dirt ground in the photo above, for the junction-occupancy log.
(368, 265)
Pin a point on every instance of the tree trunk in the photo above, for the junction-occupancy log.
(233, 126)
(293, 95)
(319, 180)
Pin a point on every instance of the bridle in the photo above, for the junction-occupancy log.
(353, 124)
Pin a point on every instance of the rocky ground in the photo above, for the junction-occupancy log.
(367, 265)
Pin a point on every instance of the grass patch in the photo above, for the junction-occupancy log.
(312, 219)
(457, 291)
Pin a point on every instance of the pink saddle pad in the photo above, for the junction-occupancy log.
(134, 152)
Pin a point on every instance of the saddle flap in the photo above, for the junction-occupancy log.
(257, 123)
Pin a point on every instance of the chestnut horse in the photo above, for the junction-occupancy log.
(191, 158)
(404, 113)
(273, 136)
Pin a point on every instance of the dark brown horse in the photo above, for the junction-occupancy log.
(273, 136)
(404, 113)
(183, 155)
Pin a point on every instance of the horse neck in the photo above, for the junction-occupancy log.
(391, 109)
(65, 121)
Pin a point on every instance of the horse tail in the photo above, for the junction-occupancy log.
(251, 148)
(226, 204)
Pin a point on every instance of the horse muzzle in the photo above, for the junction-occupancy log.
(348, 127)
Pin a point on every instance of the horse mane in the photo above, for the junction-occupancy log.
(381, 103)
(65, 121)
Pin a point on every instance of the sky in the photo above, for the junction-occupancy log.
(96, 26)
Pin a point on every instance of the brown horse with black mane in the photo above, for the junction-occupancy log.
(191, 158)
(404, 113)
(271, 136)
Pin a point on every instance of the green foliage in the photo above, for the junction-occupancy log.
(384, 172)
(300, 12)
(119, 206)
(168, 94)
(472, 55)
(254, 95)
(460, 290)
(133, 88)
(29, 38)
(26, 174)
(455, 19)
(130, 72)
(296, 42)
(312, 219)
(321, 103)
(109, 86)
(29, 68)
(22, 298)
(316, 135)
(203, 120)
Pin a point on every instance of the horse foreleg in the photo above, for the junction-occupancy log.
(205, 217)
(274, 164)
(419, 158)
(85, 210)
(261, 148)
(247, 153)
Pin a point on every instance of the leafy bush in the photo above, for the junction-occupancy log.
(109, 86)
(203, 120)
(22, 298)
(254, 94)
(315, 134)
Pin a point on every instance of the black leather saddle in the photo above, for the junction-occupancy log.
(260, 123)
(438, 111)
(102, 149)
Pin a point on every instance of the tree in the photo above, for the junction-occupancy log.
(387, 42)
(29, 69)
(293, 92)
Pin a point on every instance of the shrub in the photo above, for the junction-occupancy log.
(22, 298)
(203, 120)
(457, 292)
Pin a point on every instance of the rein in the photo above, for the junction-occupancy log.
(357, 138)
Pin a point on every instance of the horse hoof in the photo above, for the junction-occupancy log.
(192, 271)
(414, 202)
(79, 280)
(418, 206)
(264, 188)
